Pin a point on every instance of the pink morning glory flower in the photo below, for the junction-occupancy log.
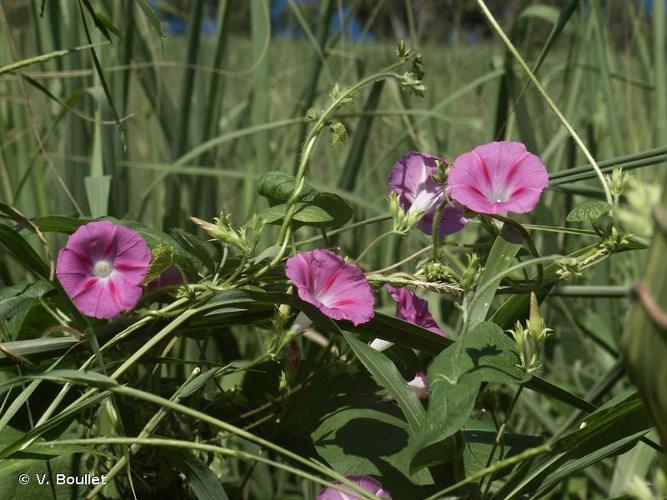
(411, 179)
(412, 309)
(498, 177)
(337, 288)
(419, 385)
(368, 483)
(103, 267)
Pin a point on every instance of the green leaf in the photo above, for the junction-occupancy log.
(589, 211)
(340, 416)
(97, 191)
(26, 348)
(102, 20)
(339, 209)
(18, 298)
(606, 432)
(89, 378)
(205, 484)
(34, 468)
(500, 259)
(161, 260)
(306, 214)
(545, 12)
(385, 373)
(201, 249)
(488, 356)
(278, 187)
(364, 440)
(60, 223)
(322, 210)
(338, 133)
(17, 247)
(152, 17)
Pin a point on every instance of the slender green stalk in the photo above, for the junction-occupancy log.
(370, 246)
(203, 417)
(150, 426)
(660, 72)
(188, 445)
(10, 68)
(499, 437)
(515, 459)
(492, 21)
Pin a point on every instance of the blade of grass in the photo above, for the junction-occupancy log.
(318, 63)
(494, 24)
(204, 200)
(176, 185)
(260, 31)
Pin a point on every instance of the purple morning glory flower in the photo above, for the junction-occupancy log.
(368, 483)
(411, 179)
(498, 177)
(102, 268)
(337, 288)
(412, 309)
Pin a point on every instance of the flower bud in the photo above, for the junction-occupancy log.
(530, 340)
(222, 230)
(403, 221)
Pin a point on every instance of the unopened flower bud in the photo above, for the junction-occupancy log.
(530, 340)
(222, 230)
(403, 221)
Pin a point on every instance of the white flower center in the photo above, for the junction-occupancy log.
(102, 269)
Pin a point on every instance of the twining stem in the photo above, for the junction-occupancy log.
(309, 144)
(500, 435)
(373, 243)
(538, 86)
(404, 261)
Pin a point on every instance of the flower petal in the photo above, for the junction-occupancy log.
(498, 177)
(451, 221)
(339, 289)
(413, 309)
(93, 295)
(368, 483)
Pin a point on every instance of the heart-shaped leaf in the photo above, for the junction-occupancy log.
(589, 211)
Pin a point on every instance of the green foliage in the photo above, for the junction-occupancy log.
(203, 387)
(589, 211)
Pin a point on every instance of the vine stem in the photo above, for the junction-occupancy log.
(309, 144)
(538, 86)
(373, 243)
(499, 436)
